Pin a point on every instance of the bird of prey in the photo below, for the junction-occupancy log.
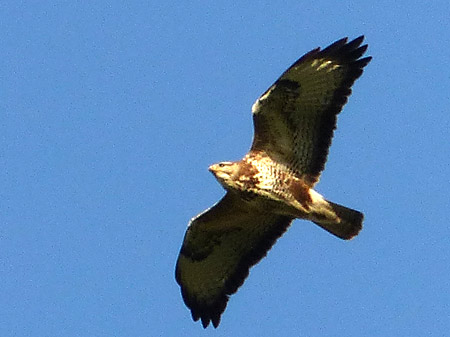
(272, 185)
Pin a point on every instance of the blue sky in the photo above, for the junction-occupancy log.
(111, 114)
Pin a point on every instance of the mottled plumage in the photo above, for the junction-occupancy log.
(273, 184)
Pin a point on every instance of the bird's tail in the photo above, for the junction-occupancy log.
(341, 221)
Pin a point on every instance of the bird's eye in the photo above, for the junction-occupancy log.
(221, 164)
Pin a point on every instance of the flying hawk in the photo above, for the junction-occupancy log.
(273, 184)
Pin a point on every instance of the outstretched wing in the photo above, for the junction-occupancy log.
(219, 247)
(295, 118)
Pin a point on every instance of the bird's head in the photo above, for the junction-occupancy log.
(226, 173)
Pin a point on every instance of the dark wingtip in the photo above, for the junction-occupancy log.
(348, 51)
(335, 46)
(205, 314)
(205, 322)
(216, 321)
(357, 41)
(364, 61)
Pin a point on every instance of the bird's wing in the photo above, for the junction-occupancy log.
(220, 246)
(295, 118)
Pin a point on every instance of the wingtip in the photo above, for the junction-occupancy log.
(340, 46)
(358, 40)
(356, 43)
(365, 60)
(349, 51)
(206, 315)
(205, 320)
(215, 322)
(335, 46)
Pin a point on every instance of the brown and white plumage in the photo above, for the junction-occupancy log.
(272, 185)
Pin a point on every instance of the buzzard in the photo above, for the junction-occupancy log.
(272, 185)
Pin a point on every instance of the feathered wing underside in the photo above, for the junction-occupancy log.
(219, 247)
(295, 118)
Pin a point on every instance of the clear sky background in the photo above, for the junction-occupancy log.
(111, 114)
